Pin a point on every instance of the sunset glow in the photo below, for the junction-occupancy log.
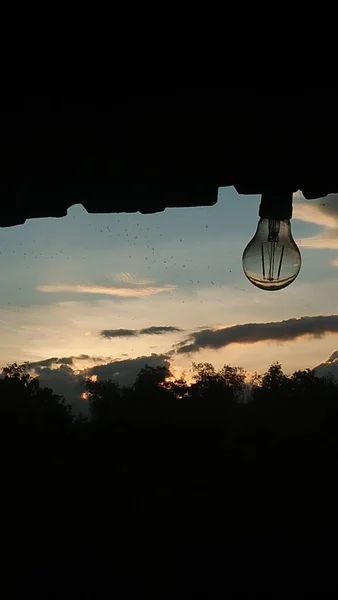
(100, 296)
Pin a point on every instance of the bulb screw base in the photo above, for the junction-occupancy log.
(276, 206)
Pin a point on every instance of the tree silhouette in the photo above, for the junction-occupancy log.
(35, 423)
(253, 459)
(165, 432)
(102, 397)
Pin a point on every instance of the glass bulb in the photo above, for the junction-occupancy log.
(272, 260)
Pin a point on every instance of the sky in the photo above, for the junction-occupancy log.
(104, 294)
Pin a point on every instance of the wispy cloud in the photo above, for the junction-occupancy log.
(316, 212)
(250, 333)
(132, 279)
(119, 292)
(324, 213)
(153, 330)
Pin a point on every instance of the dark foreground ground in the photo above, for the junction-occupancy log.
(255, 536)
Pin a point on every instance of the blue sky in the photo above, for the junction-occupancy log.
(65, 280)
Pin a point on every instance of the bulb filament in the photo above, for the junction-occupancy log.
(269, 251)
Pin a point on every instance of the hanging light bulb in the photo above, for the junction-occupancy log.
(272, 260)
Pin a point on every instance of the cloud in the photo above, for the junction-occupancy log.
(118, 292)
(132, 279)
(63, 379)
(65, 360)
(153, 330)
(49, 362)
(329, 367)
(126, 371)
(116, 333)
(250, 333)
(65, 382)
(324, 213)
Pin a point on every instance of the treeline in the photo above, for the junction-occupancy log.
(163, 433)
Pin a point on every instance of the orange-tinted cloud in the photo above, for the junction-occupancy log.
(119, 292)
